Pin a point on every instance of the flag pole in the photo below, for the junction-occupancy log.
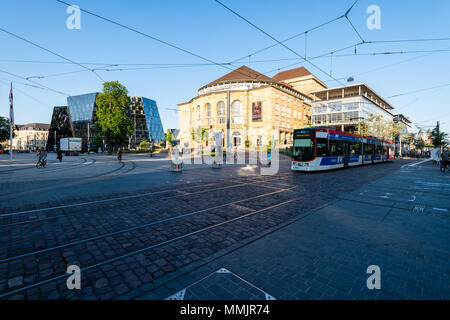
(11, 123)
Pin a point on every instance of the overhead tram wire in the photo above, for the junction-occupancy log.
(288, 39)
(350, 22)
(391, 64)
(38, 85)
(153, 38)
(50, 51)
(185, 65)
(273, 38)
(299, 34)
(23, 92)
(419, 90)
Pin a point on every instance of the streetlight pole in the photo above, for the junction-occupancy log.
(88, 136)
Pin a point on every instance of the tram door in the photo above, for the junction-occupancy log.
(346, 153)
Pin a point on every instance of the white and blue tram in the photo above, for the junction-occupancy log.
(318, 149)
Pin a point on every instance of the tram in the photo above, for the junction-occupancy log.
(319, 149)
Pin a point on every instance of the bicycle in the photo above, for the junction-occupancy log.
(444, 166)
(41, 164)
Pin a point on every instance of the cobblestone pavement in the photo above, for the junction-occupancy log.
(131, 233)
(325, 254)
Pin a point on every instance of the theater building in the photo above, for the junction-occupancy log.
(248, 108)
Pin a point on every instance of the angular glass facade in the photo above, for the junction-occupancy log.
(82, 107)
(154, 125)
(81, 114)
(82, 110)
(60, 127)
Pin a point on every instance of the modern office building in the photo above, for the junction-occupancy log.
(30, 137)
(247, 107)
(79, 117)
(146, 121)
(82, 110)
(344, 107)
(60, 127)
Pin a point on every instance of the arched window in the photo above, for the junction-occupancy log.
(236, 112)
(221, 112)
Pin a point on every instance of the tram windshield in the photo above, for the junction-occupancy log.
(303, 149)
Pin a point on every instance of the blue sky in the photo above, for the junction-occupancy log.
(206, 28)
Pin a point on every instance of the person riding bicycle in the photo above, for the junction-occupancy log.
(119, 154)
(42, 156)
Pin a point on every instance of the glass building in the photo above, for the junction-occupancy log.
(79, 117)
(82, 110)
(147, 122)
(60, 127)
(344, 107)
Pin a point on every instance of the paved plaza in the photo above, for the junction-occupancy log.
(138, 231)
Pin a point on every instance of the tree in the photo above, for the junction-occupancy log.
(4, 129)
(378, 127)
(98, 141)
(439, 138)
(169, 138)
(113, 105)
(410, 138)
(144, 145)
(419, 144)
(199, 135)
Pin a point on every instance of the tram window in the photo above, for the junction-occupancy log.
(336, 148)
(322, 147)
(379, 150)
(368, 148)
(355, 148)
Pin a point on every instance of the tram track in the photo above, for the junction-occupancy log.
(230, 217)
(65, 183)
(47, 169)
(140, 226)
(123, 198)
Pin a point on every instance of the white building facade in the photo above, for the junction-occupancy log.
(344, 107)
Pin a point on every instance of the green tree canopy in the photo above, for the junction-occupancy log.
(4, 129)
(439, 138)
(144, 145)
(169, 138)
(113, 105)
(378, 127)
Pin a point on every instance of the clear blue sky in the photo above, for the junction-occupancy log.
(206, 28)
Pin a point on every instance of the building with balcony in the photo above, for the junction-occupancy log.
(248, 108)
(344, 107)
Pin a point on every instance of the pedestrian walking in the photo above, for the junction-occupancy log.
(59, 155)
